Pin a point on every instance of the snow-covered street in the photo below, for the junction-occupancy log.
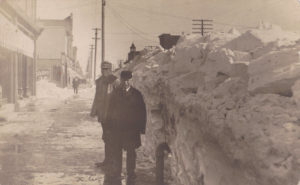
(54, 141)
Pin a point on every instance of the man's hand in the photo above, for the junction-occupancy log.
(143, 138)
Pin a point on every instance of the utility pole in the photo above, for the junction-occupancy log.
(205, 26)
(103, 31)
(95, 58)
(91, 62)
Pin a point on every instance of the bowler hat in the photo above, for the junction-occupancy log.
(126, 75)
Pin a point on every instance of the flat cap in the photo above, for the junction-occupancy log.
(106, 65)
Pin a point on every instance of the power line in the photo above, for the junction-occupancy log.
(157, 13)
(128, 33)
(124, 21)
(236, 25)
(152, 12)
(223, 14)
(76, 6)
(130, 27)
(241, 12)
(126, 6)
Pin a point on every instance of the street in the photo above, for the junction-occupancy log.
(53, 142)
(197, 92)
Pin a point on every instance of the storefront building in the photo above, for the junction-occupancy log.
(18, 36)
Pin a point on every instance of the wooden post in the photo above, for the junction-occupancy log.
(11, 98)
(16, 81)
(103, 31)
(34, 69)
(62, 71)
(66, 74)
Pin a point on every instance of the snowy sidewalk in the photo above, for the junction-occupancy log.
(54, 141)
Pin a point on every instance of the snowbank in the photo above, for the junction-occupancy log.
(229, 118)
(46, 89)
(7, 112)
(266, 37)
(275, 72)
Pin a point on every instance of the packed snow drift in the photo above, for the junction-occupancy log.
(228, 106)
(46, 89)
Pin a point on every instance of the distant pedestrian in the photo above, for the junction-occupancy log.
(104, 86)
(75, 84)
(127, 118)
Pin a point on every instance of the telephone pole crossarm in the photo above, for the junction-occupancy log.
(202, 20)
(202, 25)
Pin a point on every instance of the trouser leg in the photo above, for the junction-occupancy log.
(113, 172)
(107, 143)
(108, 153)
(130, 166)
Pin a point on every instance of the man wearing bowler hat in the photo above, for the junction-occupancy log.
(127, 117)
(104, 86)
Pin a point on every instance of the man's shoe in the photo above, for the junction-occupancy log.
(130, 182)
(101, 164)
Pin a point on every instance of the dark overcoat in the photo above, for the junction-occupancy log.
(75, 83)
(127, 115)
(100, 103)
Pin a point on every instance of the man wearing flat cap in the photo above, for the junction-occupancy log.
(127, 118)
(104, 86)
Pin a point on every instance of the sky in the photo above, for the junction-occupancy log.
(142, 21)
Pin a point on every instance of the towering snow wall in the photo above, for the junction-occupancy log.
(229, 112)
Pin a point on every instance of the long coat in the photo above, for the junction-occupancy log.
(102, 96)
(127, 115)
(75, 83)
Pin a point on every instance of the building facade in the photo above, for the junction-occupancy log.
(133, 53)
(27, 6)
(56, 55)
(18, 35)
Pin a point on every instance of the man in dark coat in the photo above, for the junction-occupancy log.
(104, 86)
(127, 118)
(75, 84)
